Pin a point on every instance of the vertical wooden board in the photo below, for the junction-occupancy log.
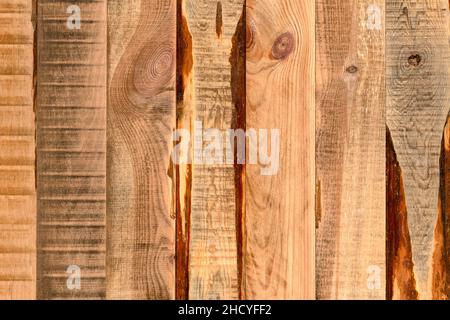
(278, 253)
(208, 192)
(418, 94)
(350, 139)
(71, 149)
(17, 183)
(141, 117)
(441, 269)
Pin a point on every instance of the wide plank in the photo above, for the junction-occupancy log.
(278, 232)
(141, 118)
(418, 100)
(71, 149)
(206, 188)
(350, 135)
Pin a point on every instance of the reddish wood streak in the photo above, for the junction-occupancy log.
(249, 34)
(238, 88)
(399, 265)
(318, 207)
(441, 263)
(219, 20)
(184, 68)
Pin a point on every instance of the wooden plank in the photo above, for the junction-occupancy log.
(17, 183)
(141, 118)
(418, 94)
(441, 271)
(350, 156)
(279, 240)
(441, 252)
(206, 190)
(71, 148)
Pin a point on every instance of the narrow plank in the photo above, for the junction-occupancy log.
(141, 118)
(182, 172)
(278, 254)
(71, 147)
(418, 94)
(17, 172)
(350, 139)
(206, 189)
(441, 256)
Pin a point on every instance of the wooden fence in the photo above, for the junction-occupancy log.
(224, 149)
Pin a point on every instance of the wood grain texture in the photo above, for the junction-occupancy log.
(71, 147)
(278, 253)
(418, 94)
(441, 255)
(182, 172)
(17, 183)
(350, 133)
(141, 117)
(213, 272)
(441, 258)
(400, 282)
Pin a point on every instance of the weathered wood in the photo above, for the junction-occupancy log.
(208, 192)
(350, 135)
(141, 117)
(441, 255)
(400, 282)
(17, 185)
(278, 253)
(418, 100)
(71, 147)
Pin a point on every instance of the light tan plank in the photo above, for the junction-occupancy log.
(350, 122)
(17, 172)
(278, 254)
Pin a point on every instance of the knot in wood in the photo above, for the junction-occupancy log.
(283, 46)
(414, 60)
(352, 69)
(152, 68)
